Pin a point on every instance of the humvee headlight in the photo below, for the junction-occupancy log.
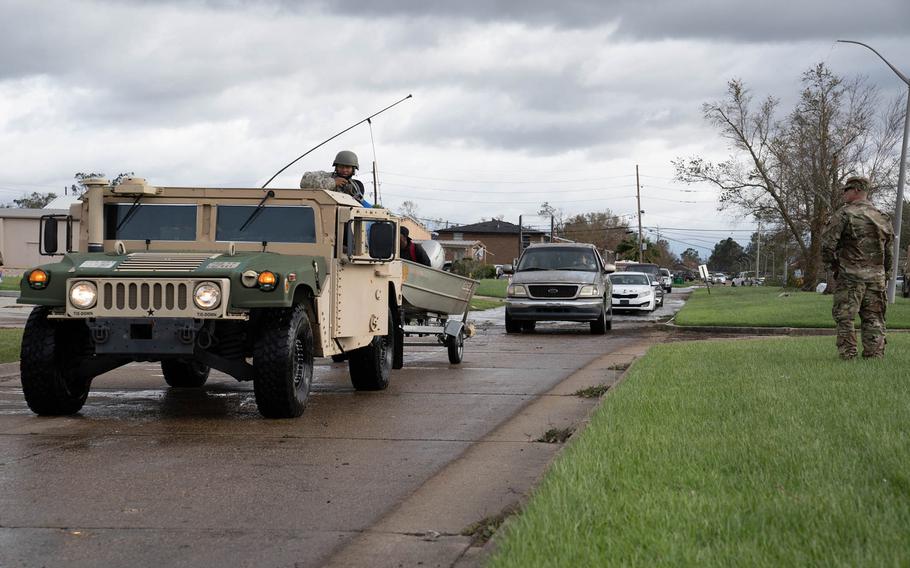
(517, 290)
(207, 296)
(83, 294)
(38, 279)
(268, 281)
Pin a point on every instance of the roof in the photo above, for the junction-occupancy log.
(494, 226)
(451, 243)
(19, 213)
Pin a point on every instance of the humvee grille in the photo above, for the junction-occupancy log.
(157, 296)
(163, 262)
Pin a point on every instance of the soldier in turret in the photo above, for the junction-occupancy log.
(341, 179)
(856, 245)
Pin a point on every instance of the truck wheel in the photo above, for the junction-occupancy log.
(184, 373)
(283, 363)
(512, 326)
(371, 365)
(601, 325)
(51, 353)
(528, 326)
(455, 345)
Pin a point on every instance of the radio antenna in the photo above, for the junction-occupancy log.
(332, 138)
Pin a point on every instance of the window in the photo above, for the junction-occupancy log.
(291, 224)
(140, 222)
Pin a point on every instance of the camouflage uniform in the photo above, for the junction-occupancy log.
(856, 245)
(326, 180)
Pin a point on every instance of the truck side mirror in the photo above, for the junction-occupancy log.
(49, 234)
(508, 269)
(382, 237)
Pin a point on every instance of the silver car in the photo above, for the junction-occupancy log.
(559, 282)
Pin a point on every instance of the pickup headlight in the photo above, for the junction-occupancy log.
(207, 296)
(589, 291)
(517, 290)
(83, 294)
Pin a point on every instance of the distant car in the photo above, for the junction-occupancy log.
(719, 278)
(635, 291)
(666, 279)
(559, 282)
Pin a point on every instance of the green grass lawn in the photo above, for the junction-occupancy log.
(761, 306)
(492, 287)
(10, 283)
(10, 339)
(478, 304)
(728, 453)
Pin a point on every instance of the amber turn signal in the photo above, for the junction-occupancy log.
(267, 280)
(38, 279)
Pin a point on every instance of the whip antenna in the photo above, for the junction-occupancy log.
(334, 137)
(375, 167)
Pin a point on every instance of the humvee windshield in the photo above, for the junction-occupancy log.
(294, 224)
(558, 259)
(149, 222)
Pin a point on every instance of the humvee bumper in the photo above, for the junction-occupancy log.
(139, 337)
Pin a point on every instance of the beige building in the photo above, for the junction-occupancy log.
(416, 230)
(19, 237)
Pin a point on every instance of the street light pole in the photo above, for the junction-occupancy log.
(901, 177)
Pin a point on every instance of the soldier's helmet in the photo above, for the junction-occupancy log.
(857, 182)
(346, 158)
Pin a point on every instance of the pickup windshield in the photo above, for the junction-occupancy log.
(150, 222)
(274, 224)
(558, 259)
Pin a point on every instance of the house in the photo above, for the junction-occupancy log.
(457, 250)
(500, 239)
(416, 230)
(19, 237)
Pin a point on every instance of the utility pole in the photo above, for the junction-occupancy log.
(641, 242)
(758, 253)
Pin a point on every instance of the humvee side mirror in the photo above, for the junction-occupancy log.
(48, 234)
(382, 238)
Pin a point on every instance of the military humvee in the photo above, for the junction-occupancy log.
(252, 283)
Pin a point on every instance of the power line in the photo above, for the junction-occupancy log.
(564, 180)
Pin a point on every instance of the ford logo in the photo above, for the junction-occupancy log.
(553, 291)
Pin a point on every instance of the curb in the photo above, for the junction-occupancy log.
(789, 331)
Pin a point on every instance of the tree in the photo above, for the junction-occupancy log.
(35, 200)
(79, 187)
(728, 256)
(602, 229)
(408, 209)
(787, 172)
(690, 258)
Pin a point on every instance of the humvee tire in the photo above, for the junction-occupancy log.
(371, 365)
(184, 373)
(51, 352)
(455, 345)
(283, 362)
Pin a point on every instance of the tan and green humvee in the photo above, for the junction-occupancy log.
(250, 282)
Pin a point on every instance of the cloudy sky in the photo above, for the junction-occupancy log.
(514, 103)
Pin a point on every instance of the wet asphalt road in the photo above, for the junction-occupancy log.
(150, 476)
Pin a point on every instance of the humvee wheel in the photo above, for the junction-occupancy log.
(455, 345)
(283, 363)
(371, 365)
(184, 373)
(51, 352)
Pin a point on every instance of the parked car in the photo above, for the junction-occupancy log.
(635, 291)
(666, 279)
(559, 282)
(719, 278)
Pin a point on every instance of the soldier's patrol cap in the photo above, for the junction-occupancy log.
(857, 182)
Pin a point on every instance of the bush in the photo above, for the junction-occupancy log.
(473, 269)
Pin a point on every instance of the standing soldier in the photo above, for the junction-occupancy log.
(856, 245)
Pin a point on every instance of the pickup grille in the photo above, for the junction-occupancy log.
(553, 291)
(163, 262)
